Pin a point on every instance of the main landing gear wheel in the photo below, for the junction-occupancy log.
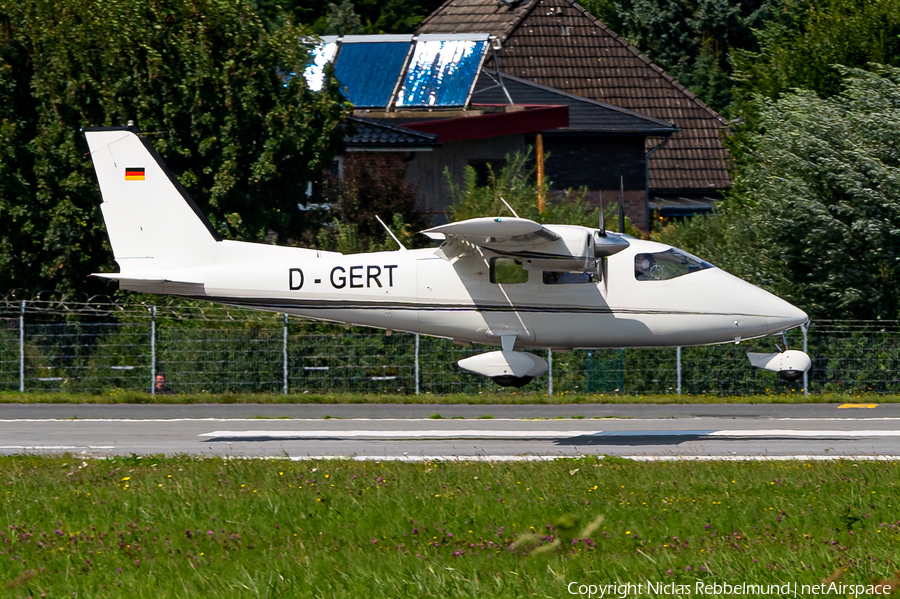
(790, 375)
(512, 381)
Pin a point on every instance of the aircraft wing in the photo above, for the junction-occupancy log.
(494, 230)
(557, 247)
(503, 234)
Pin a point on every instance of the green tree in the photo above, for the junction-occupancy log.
(342, 19)
(376, 16)
(800, 45)
(692, 40)
(815, 212)
(369, 188)
(207, 80)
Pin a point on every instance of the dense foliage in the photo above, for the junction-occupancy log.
(205, 79)
(811, 216)
(727, 50)
(374, 16)
(815, 213)
(691, 40)
(801, 44)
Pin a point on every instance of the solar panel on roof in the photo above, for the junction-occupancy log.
(370, 71)
(441, 73)
(315, 72)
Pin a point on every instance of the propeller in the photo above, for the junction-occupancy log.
(604, 245)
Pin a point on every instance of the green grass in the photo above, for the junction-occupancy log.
(189, 527)
(135, 397)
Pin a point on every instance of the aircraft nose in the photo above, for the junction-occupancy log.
(782, 316)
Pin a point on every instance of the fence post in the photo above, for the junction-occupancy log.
(678, 368)
(22, 346)
(805, 328)
(152, 350)
(550, 372)
(417, 363)
(285, 353)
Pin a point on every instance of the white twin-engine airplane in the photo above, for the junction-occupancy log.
(507, 282)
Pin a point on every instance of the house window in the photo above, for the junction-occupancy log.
(507, 271)
(315, 190)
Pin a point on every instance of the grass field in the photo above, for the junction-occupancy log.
(187, 527)
(508, 398)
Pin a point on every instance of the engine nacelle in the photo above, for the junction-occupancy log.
(506, 368)
(790, 365)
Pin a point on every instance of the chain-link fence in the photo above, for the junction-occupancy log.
(94, 347)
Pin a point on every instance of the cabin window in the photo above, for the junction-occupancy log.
(507, 271)
(556, 277)
(662, 266)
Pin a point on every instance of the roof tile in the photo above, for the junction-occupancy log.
(588, 59)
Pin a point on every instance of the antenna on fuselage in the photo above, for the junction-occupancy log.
(621, 204)
(391, 233)
(505, 203)
(602, 226)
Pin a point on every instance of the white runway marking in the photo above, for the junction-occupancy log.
(425, 434)
(543, 434)
(57, 447)
(804, 433)
(454, 420)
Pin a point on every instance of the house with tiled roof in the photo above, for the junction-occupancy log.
(558, 44)
(430, 105)
(596, 146)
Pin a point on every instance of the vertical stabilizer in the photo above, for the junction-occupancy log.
(152, 222)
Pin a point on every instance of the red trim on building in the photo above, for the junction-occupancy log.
(530, 120)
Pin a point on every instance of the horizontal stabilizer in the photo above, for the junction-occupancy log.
(149, 280)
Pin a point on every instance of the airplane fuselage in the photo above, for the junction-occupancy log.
(418, 291)
(502, 281)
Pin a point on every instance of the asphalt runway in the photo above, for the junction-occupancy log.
(407, 432)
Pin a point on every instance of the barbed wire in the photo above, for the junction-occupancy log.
(80, 305)
(74, 306)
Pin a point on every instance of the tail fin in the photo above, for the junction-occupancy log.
(152, 222)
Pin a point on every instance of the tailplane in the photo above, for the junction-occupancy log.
(152, 222)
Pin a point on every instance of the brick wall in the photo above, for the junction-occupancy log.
(635, 206)
(573, 162)
(387, 165)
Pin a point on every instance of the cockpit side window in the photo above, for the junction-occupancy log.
(662, 266)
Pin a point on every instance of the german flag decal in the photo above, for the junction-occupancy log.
(134, 173)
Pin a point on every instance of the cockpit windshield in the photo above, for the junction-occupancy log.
(662, 266)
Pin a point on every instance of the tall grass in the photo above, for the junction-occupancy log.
(190, 527)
